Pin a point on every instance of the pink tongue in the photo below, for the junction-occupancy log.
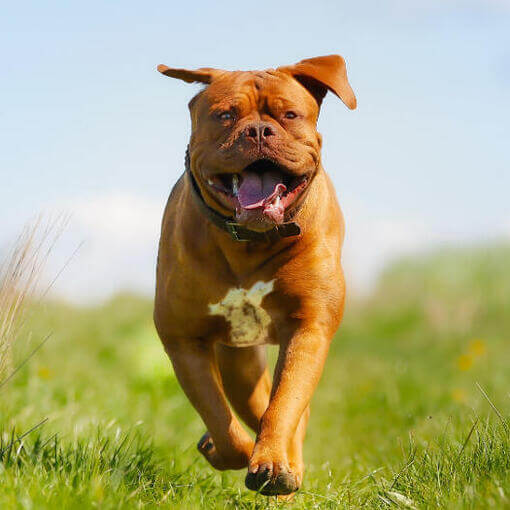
(258, 189)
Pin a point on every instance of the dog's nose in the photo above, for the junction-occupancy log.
(258, 131)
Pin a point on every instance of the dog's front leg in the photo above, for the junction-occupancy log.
(299, 368)
(226, 445)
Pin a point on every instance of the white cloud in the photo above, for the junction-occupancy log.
(123, 217)
(506, 228)
(119, 233)
(373, 241)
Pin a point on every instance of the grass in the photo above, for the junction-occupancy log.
(412, 411)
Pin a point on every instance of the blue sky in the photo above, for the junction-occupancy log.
(89, 127)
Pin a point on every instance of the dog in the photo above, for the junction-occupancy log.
(249, 255)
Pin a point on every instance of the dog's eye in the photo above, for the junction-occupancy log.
(227, 115)
(290, 115)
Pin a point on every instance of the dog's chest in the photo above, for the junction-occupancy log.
(242, 309)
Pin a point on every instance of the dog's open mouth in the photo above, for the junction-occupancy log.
(260, 193)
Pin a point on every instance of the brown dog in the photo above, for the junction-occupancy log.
(250, 254)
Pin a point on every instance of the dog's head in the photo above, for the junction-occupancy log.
(254, 146)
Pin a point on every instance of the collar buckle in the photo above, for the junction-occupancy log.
(232, 229)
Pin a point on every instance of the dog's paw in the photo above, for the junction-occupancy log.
(232, 459)
(272, 478)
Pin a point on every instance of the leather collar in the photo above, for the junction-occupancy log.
(237, 231)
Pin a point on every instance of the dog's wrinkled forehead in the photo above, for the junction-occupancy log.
(255, 90)
(317, 75)
(310, 77)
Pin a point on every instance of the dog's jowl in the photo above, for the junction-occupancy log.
(250, 254)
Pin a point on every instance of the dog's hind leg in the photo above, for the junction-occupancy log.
(227, 444)
(246, 380)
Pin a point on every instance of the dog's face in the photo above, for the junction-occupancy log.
(254, 146)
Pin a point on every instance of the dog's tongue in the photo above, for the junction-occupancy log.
(259, 188)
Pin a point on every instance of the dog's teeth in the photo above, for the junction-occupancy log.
(235, 184)
(209, 181)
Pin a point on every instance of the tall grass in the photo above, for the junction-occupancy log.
(21, 272)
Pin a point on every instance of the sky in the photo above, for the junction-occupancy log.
(89, 128)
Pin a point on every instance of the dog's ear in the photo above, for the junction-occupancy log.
(202, 75)
(321, 74)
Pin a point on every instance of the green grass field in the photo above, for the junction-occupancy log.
(412, 410)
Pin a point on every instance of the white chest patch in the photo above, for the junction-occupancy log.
(249, 322)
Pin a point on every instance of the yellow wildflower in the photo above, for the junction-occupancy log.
(44, 373)
(477, 347)
(458, 395)
(464, 362)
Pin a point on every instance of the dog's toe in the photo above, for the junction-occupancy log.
(271, 479)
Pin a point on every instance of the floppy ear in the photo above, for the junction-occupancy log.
(321, 74)
(202, 75)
